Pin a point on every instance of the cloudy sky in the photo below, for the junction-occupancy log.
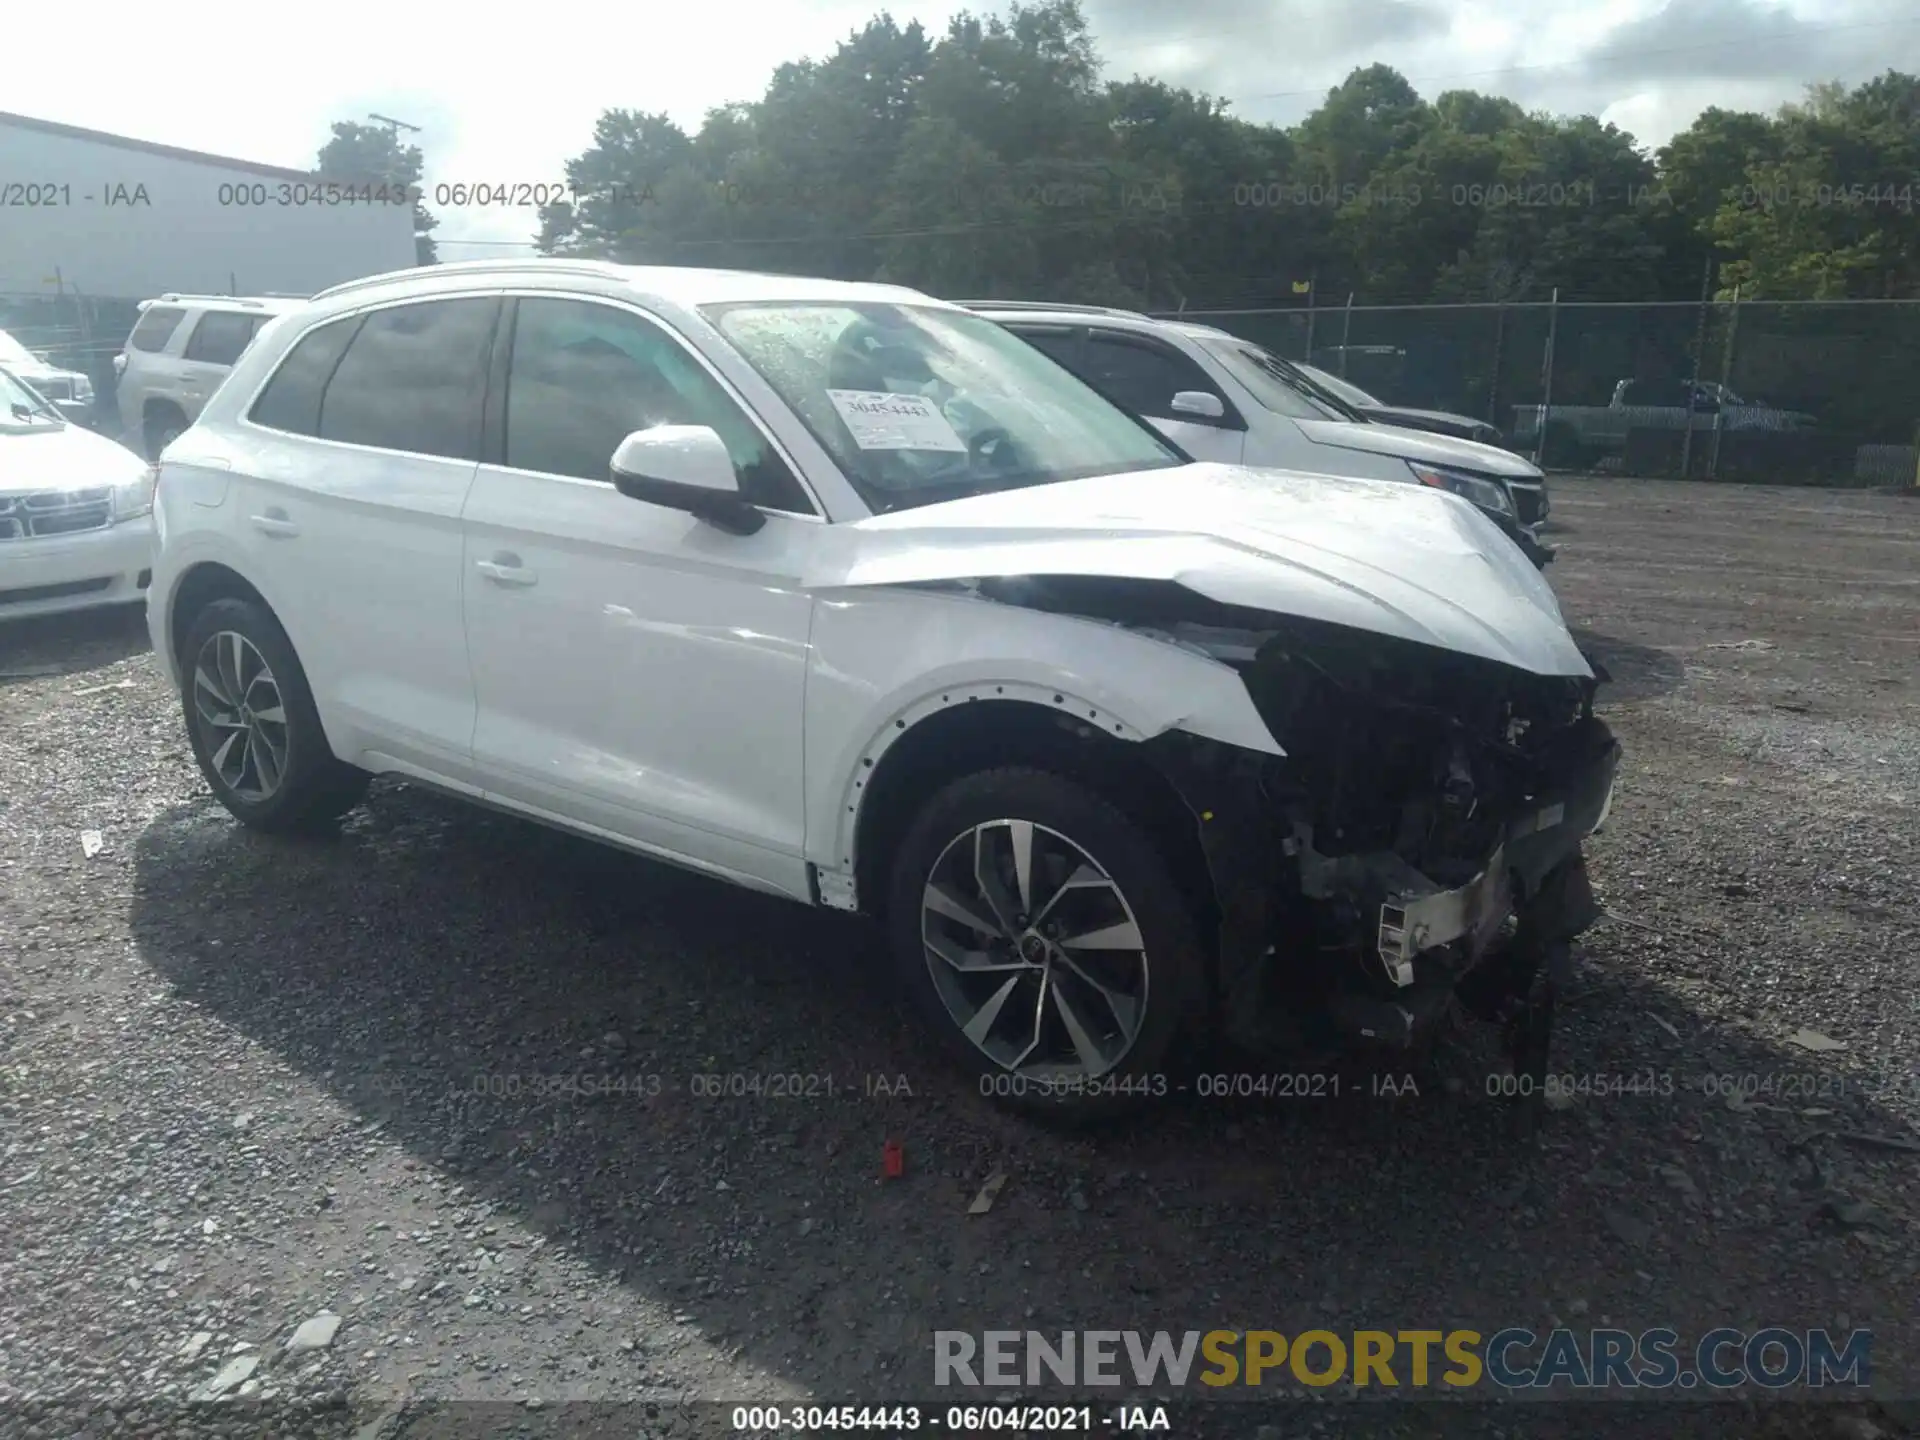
(510, 102)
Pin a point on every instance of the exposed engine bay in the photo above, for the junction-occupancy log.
(1420, 838)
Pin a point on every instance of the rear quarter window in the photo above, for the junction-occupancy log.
(155, 328)
(291, 400)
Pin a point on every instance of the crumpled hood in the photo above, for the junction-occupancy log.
(44, 457)
(1403, 560)
(1427, 445)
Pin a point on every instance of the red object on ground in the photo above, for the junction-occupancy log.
(893, 1160)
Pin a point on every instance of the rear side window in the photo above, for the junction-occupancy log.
(220, 336)
(155, 328)
(413, 379)
(291, 401)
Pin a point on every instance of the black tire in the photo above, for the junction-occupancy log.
(312, 787)
(163, 428)
(1175, 961)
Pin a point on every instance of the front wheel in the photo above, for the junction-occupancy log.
(253, 725)
(1041, 932)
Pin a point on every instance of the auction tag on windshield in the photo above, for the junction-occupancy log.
(885, 421)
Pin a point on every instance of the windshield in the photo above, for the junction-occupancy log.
(1278, 384)
(919, 404)
(20, 401)
(1344, 389)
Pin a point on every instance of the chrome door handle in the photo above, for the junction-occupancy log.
(275, 524)
(502, 573)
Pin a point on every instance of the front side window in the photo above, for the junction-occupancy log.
(220, 337)
(918, 404)
(413, 379)
(1142, 375)
(1060, 344)
(583, 377)
(155, 328)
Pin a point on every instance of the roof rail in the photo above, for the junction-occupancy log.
(1047, 305)
(470, 267)
(174, 298)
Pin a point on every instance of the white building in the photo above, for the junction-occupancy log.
(105, 216)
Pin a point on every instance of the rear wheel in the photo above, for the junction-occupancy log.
(253, 725)
(1041, 932)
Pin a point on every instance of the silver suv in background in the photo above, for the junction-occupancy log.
(1225, 399)
(179, 352)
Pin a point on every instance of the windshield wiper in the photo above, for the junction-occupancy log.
(1300, 380)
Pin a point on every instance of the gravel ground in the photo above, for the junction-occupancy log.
(245, 1083)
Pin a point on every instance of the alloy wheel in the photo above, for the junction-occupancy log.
(1034, 951)
(243, 716)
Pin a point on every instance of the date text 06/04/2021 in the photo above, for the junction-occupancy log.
(772, 1420)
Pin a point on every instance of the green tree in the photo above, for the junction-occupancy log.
(373, 155)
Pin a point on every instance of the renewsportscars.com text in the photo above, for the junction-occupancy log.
(1772, 1358)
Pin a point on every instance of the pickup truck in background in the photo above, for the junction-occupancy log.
(1589, 433)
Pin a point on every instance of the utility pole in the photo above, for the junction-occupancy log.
(394, 127)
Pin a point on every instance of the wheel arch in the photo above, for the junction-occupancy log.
(969, 729)
(204, 582)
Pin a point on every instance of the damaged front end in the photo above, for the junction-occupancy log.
(1419, 841)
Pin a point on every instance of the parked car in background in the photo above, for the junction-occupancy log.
(180, 350)
(1440, 422)
(842, 593)
(68, 391)
(1223, 398)
(76, 511)
(1593, 432)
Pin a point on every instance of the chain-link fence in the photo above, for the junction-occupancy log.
(73, 332)
(1775, 392)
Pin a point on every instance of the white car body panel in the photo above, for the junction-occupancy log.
(1404, 444)
(359, 552)
(1402, 560)
(41, 458)
(563, 651)
(640, 668)
(872, 680)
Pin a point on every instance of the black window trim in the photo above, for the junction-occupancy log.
(359, 316)
(1231, 420)
(494, 425)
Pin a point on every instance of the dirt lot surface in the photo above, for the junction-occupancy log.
(441, 1076)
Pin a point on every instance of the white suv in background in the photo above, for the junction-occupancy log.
(1221, 397)
(843, 593)
(176, 357)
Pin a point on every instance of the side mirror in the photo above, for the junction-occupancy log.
(1199, 402)
(685, 467)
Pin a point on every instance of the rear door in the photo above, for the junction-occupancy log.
(352, 517)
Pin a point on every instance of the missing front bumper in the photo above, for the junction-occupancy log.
(1410, 913)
